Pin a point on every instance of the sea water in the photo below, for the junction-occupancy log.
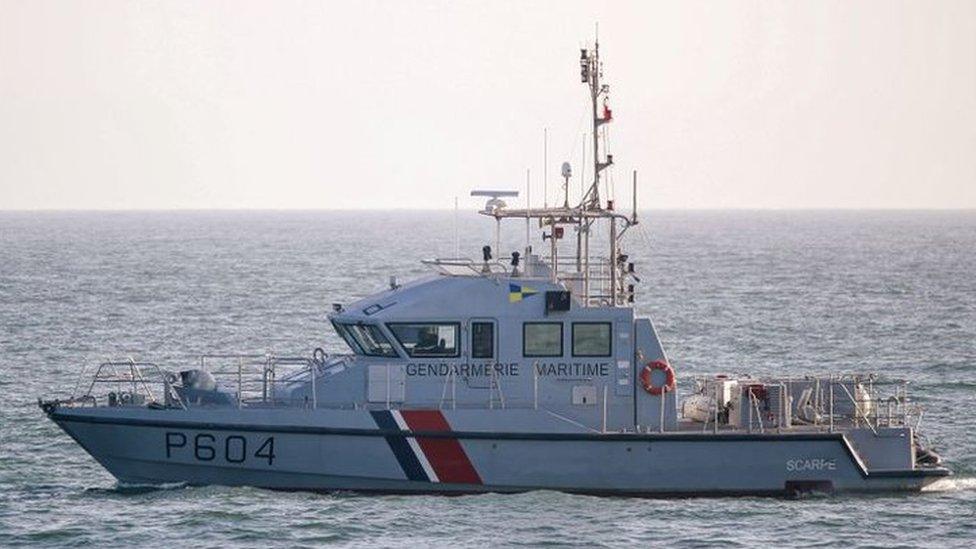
(776, 293)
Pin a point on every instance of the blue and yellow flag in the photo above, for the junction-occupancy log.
(517, 293)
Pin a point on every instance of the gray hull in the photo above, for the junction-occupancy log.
(290, 455)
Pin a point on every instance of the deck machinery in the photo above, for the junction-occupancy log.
(503, 376)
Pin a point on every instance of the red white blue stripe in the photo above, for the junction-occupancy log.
(428, 459)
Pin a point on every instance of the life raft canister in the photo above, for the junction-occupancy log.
(645, 377)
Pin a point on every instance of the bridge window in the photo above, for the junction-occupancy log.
(591, 339)
(346, 336)
(369, 339)
(422, 339)
(542, 339)
(482, 340)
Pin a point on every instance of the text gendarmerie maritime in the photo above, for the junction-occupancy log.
(555, 369)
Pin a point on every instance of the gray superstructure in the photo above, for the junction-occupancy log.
(487, 375)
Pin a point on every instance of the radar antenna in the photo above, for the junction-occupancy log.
(493, 207)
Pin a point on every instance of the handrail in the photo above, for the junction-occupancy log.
(135, 376)
(264, 372)
(473, 268)
(863, 401)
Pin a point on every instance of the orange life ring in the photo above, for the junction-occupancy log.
(645, 377)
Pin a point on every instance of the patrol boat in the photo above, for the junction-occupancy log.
(501, 376)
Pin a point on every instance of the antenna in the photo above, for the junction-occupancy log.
(633, 217)
(583, 171)
(457, 238)
(528, 224)
(567, 172)
(545, 167)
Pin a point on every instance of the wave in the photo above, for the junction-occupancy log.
(137, 488)
(957, 484)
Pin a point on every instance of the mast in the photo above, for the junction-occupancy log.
(591, 71)
(608, 289)
(594, 95)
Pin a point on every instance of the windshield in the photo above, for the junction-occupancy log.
(346, 336)
(366, 339)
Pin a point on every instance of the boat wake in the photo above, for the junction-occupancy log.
(135, 488)
(965, 484)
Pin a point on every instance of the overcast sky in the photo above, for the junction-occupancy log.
(118, 105)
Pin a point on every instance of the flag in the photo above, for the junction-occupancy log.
(517, 293)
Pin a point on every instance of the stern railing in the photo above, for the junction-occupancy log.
(824, 402)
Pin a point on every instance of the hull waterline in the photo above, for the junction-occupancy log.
(304, 457)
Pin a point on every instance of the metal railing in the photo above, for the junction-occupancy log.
(127, 382)
(589, 280)
(258, 378)
(250, 379)
(821, 402)
(464, 266)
